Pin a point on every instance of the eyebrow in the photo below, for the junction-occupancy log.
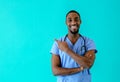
(74, 18)
(68, 18)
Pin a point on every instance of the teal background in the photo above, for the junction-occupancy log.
(28, 29)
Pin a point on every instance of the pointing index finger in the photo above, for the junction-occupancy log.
(56, 40)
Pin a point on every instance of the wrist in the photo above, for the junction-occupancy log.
(67, 50)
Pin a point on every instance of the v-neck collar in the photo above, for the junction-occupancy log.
(74, 43)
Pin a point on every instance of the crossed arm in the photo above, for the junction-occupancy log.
(85, 61)
(58, 70)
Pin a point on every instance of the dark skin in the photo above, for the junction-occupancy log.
(85, 61)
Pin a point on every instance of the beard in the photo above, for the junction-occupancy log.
(74, 32)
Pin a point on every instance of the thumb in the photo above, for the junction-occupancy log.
(57, 40)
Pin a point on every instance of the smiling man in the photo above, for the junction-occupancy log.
(73, 55)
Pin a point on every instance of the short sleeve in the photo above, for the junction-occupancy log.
(90, 45)
(54, 49)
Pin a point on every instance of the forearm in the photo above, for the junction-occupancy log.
(65, 71)
(81, 60)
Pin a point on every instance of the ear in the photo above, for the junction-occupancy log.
(66, 21)
(80, 21)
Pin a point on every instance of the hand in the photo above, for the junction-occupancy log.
(62, 45)
(81, 68)
(90, 54)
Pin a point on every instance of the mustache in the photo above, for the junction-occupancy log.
(74, 25)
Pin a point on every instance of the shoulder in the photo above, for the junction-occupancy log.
(86, 38)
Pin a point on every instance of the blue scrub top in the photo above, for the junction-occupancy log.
(68, 62)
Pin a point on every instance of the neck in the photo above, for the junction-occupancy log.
(73, 37)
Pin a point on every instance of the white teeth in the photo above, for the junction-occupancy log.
(74, 27)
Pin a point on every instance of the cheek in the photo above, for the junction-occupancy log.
(78, 23)
(68, 24)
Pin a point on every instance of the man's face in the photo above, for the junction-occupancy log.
(73, 22)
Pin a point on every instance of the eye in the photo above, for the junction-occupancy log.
(76, 19)
(69, 20)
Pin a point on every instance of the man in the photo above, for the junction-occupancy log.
(73, 55)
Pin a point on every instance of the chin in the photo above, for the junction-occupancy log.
(75, 32)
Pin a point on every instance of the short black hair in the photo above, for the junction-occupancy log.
(73, 11)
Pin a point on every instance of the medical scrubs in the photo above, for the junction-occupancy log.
(68, 62)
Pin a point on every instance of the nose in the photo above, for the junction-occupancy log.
(73, 22)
